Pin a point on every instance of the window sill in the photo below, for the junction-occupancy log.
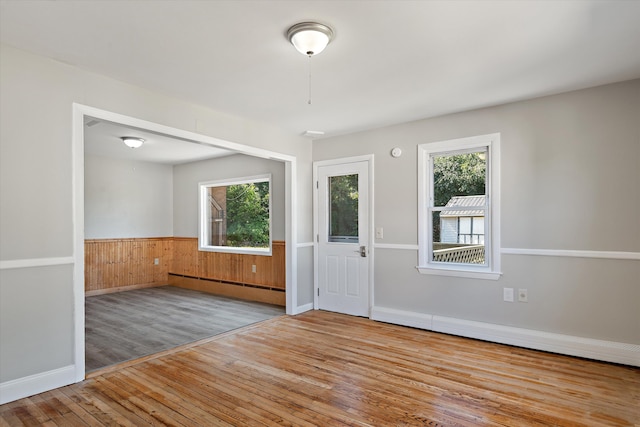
(235, 250)
(469, 274)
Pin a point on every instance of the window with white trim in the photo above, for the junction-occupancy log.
(235, 215)
(459, 207)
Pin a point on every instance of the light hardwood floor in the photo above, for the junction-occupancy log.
(326, 369)
(128, 325)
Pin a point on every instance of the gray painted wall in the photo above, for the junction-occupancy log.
(187, 177)
(570, 178)
(32, 337)
(125, 198)
(36, 191)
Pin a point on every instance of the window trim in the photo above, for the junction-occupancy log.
(491, 270)
(203, 228)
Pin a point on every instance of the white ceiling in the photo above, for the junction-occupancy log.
(390, 62)
(103, 138)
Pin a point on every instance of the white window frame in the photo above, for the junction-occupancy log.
(203, 223)
(491, 269)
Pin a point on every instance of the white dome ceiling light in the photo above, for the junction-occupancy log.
(132, 141)
(310, 38)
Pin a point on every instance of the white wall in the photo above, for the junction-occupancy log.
(188, 175)
(126, 198)
(37, 211)
(570, 165)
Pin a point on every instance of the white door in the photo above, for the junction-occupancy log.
(343, 238)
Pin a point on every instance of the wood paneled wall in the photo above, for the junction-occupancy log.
(225, 267)
(112, 265)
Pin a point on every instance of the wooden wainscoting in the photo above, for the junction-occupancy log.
(113, 265)
(229, 274)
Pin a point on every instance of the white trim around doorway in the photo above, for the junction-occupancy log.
(79, 111)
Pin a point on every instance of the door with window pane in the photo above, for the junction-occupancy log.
(343, 238)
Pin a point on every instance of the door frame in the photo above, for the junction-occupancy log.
(333, 162)
(79, 111)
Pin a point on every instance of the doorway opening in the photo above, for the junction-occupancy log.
(184, 142)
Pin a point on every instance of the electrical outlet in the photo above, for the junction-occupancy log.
(507, 294)
(522, 295)
(253, 268)
(156, 261)
(379, 233)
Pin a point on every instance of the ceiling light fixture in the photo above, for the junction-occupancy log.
(310, 38)
(132, 141)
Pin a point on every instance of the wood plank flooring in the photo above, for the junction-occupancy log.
(128, 325)
(326, 369)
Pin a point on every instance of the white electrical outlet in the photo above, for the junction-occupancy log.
(379, 233)
(253, 268)
(522, 295)
(156, 261)
(507, 294)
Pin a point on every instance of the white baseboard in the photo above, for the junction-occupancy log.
(607, 351)
(302, 308)
(404, 318)
(38, 383)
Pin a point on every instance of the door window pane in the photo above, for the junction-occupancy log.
(343, 208)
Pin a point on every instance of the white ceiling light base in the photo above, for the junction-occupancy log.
(310, 38)
(132, 141)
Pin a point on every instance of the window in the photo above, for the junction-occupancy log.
(343, 211)
(235, 215)
(459, 219)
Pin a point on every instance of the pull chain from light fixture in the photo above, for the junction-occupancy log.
(309, 72)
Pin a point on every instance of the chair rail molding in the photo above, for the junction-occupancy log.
(35, 262)
(571, 253)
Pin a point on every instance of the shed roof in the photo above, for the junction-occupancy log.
(465, 201)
